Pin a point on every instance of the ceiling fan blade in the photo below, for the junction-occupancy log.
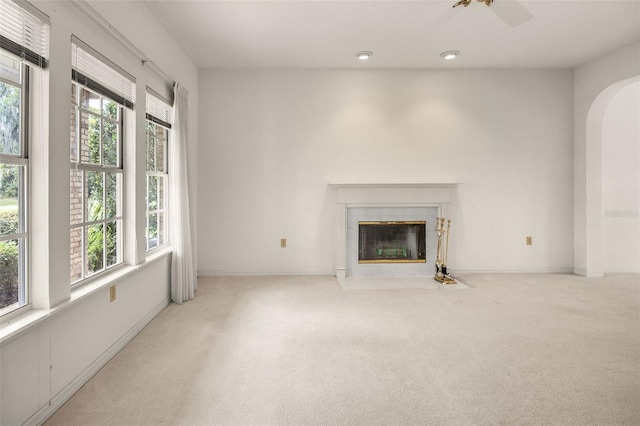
(511, 12)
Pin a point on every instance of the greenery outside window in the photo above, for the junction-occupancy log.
(158, 126)
(14, 171)
(156, 196)
(95, 183)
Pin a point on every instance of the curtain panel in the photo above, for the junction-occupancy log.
(183, 266)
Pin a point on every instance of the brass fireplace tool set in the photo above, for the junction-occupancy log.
(443, 252)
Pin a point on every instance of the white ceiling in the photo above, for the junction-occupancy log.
(401, 34)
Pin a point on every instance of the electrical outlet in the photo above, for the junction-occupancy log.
(529, 241)
(112, 293)
(283, 242)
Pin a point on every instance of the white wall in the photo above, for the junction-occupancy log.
(621, 181)
(43, 362)
(595, 84)
(272, 141)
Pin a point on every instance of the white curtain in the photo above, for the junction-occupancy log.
(183, 266)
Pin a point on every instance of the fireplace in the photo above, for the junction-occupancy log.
(388, 202)
(392, 242)
(399, 240)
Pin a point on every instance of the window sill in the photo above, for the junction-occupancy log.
(14, 327)
(93, 286)
(9, 330)
(158, 253)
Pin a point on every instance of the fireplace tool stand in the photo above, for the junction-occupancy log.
(443, 252)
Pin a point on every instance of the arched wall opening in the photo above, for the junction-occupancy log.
(621, 182)
(603, 145)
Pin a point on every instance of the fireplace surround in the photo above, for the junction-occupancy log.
(390, 202)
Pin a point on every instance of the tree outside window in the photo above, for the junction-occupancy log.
(13, 174)
(96, 183)
(156, 197)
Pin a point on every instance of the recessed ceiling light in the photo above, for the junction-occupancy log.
(450, 54)
(364, 55)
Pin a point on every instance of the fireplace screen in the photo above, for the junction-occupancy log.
(392, 242)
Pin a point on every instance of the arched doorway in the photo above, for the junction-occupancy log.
(621, 182)
(594, 209)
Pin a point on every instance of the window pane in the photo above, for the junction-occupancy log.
(152, 193)
(10, 69)
(9, 119)
(9, 273)
(151, 129)
(90, 101)
(110, 109)
(152, 230)
(90, 138)
(113, 185)
(75, 182)
(94, 196)
(109, 143)
(151, 147)
(10, 177)
(161, 143)
(162, 234)
(95, 248)
(161, 182)
(74, 94)
(73, 127)
(76, 254)
(113, 243)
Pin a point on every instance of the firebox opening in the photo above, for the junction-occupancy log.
(392, 242)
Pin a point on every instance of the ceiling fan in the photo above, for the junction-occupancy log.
(466, 3)
(510, 11)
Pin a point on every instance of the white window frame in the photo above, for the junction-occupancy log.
(21, 159)
(92, 71)
(86, 168)
(159, 115)
(163, 181)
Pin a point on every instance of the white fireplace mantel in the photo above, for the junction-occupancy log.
(432, 194)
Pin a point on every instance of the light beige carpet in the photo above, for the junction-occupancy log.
(510, 349)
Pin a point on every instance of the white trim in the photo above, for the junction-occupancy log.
(14, 327)
(621, 271)
(586, 273)
(554, 270)
(224, 273)
(354, 185)
(68, 391)
(20, 324)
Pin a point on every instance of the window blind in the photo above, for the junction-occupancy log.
(24, 31)
(98, 73)
(158, 109)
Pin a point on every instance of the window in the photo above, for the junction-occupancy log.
(158, 125)
(14, 171)
(96, 183)
(97, 167)
(24, 47)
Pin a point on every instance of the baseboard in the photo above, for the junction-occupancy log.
(332, 272)
(560, 270)
(222, 273)
(68, 391)
(580, 272)
(588, 273)
(622, 271)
